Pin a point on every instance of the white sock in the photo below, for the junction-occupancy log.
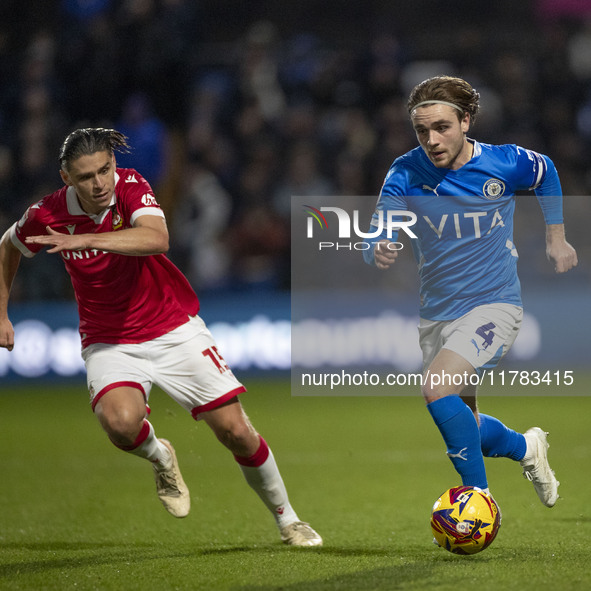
(149, 447)
(266, 481)
(530, 451)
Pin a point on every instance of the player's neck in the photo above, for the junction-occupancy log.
(464, 156)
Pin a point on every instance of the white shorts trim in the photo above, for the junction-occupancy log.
(185, 363)
(483, 336)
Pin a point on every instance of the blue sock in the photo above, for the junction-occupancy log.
(460, 432)
(498, 441)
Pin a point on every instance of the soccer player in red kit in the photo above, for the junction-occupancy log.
(139, 322)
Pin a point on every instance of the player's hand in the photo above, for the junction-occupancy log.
(562, 254)
(384, 257)
(59, 241)
(6, 334)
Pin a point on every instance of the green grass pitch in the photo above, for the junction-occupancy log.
(75, 513)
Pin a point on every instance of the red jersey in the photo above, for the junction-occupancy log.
(121, 298)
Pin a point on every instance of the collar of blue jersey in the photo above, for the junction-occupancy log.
(477, 148)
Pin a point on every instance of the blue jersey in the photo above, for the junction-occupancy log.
(464, 247)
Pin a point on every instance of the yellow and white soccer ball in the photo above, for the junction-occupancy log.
(465, 520)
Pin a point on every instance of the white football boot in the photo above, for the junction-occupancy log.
(300, 533)
(171, 487)
(536, 468)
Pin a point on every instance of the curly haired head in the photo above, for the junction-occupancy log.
(447, 89)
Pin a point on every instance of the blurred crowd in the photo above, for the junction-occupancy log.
(233, 107)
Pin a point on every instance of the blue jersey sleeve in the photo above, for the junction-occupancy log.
(538, 173)
(549, 195)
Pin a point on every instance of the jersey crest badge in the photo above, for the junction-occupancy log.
(493, 189)
(117, 220)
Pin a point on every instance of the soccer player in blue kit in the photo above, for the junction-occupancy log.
(463, 194)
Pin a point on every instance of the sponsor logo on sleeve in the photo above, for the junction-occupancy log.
(148, 199)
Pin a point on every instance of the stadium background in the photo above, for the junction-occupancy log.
(250, 102)
(233, 107)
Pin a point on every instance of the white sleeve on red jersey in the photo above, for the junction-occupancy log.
(12, 234)
(32, 223)
(145, 211)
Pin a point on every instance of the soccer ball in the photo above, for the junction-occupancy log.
(465, 520)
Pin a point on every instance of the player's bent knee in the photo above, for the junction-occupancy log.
(433, 390)
(430, 393)
(234, 435)
(122, 426)
(239, 438)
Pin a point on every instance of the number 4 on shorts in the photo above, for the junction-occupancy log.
(486, 332)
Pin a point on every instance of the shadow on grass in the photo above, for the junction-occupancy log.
(273, 548)
(409, 570)
(55, 546)
(390, 578)
(30, 558)
(50, 556)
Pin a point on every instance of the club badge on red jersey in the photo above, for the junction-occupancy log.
(117, 220)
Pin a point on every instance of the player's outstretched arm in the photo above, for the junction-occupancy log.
(9, 260)
(383, 256)
(148, 236)
(558, 250)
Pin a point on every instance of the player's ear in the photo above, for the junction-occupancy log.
(465, 122)
(65, 177)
